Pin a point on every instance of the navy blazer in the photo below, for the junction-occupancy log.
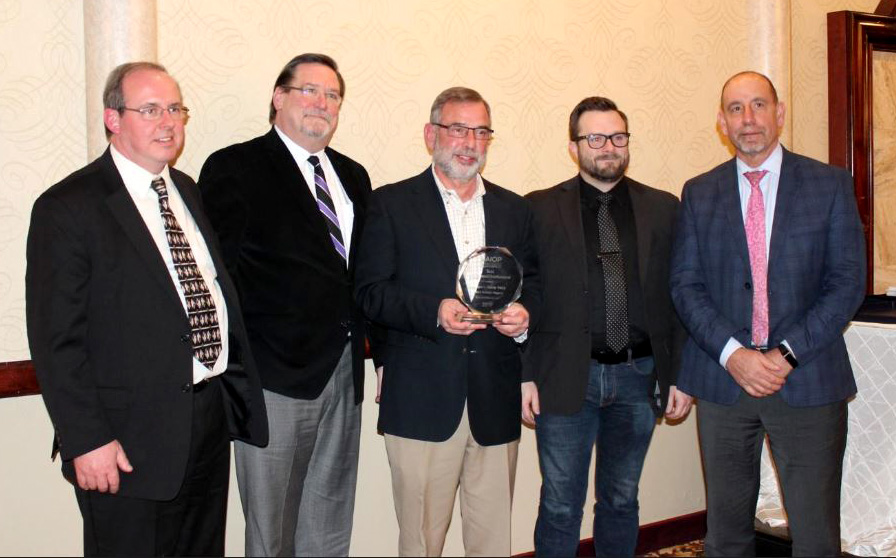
(816, 279)
(407, 265)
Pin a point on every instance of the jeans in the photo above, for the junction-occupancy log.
(618, 417)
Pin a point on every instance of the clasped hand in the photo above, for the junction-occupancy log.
(512, 322)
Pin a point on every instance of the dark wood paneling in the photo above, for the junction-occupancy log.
(17, 378)
(886, 8)
(852, 39)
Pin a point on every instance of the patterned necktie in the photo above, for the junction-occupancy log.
(615, 292)
(326, 206)
(204, 331)
(755, 228)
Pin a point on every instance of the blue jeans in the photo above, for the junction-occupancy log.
(618, 417)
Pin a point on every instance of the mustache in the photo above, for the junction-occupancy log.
(319, 113)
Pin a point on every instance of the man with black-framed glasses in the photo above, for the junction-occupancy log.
(450, 388)
(601, 362)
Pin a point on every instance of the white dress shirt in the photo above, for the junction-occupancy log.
(138, 182)
(345, 211)
(769, 188)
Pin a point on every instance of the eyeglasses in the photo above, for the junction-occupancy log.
(460, 131)
(311, 91)
(596, 141)
(154, 112)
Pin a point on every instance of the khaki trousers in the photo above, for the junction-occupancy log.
(425, 478)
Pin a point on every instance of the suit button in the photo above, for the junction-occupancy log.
(464, 350)
(185, 338)
(748, 286)
(187, 387)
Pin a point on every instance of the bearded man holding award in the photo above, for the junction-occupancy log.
(450, 398)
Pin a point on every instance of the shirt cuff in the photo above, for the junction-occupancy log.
(521, 338)
(731, 346)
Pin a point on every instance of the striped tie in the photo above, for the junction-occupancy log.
(326, 206)
(205, 334)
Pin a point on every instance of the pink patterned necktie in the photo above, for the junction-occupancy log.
(755, 227)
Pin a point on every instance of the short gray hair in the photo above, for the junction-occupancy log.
(455, 95)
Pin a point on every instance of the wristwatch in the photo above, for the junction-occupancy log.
(788, 355)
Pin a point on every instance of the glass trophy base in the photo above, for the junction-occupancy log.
(478, 318)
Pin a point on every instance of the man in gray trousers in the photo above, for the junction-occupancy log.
(288, 211)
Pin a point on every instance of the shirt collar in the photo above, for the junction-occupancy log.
(480, 187)
(136, 179)
(589, 193)
(299, 153)
(772, 163)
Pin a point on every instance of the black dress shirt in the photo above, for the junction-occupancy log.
(624, 218)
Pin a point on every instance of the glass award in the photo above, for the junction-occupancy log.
(488, 281)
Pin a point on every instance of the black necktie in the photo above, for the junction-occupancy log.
(204, 331)
(615, 292)
(326, 206)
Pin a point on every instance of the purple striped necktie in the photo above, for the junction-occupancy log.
(326, 207)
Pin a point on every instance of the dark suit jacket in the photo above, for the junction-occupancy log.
(406, 266)
(294, 287)
(110, 338)
(559, 352)
(816, 279)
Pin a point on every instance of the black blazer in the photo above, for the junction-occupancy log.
(109, 336)
(559, 350)
(406, 266)
(294, 287)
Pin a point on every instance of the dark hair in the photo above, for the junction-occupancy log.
(113, 95)
(752, 73)
(289, 71)
(600, 104)
(456, 95)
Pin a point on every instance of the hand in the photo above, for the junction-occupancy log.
(679, 404)
(778, 358)
(513, 321)
(451, 311)
(379, 382)
(756, 373)
(530, 402)
(98, 469)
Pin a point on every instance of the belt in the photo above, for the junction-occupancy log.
(610, 357)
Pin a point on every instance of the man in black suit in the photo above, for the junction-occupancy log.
(288, 211)
(136, 335)
(607, 333)
(450, 388)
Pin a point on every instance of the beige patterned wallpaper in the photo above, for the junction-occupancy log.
(663, 61)
(41, 133)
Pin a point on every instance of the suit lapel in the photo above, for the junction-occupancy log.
(729, 198)
(644, 229)
(788, 188)
(288, 176)
(431, 212)
(569, 204)
(125, 212)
